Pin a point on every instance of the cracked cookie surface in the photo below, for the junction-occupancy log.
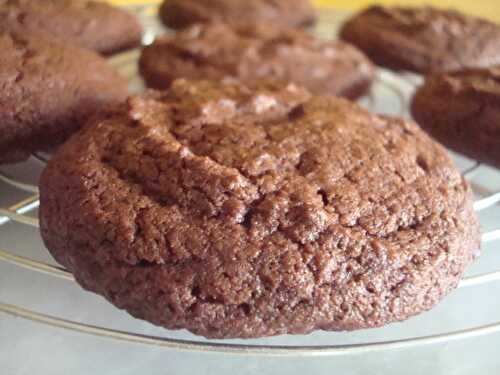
(462, 111)
(237, 212)
(90, 24)
(178, 14)
(48, 90)
(249, 53)
(424, 40)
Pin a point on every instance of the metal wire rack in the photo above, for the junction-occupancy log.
(395, 86)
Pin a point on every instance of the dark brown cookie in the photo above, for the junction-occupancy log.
(243, 213)
(47, 91)
(182, 13)
(90, 24)
(424, 39)
(248, 53)
(462, 111)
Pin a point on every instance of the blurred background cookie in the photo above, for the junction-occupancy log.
(462, 111)
(91, 24)
(48, 90)
(181, 13)
(424, 39)
(248, 53)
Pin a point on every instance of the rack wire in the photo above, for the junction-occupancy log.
(19, 214)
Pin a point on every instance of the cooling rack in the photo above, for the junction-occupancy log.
(391, 94)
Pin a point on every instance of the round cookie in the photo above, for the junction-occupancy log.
(48, 90)
(237, 212)
(462, 111)
(247, 53)
(178, 14)
(90, 24)
(424, 39)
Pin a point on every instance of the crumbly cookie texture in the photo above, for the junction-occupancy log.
(461, 111)
(91, 24)
(250, 53)
(178, 14)
(237, 212)
(48, 90)
(424, 39)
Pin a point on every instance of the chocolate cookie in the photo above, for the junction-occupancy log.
(234, 212)
(462, 111)
(47, 91)
(248, 53)
(424, 39)
(182, 13)
(90, 24)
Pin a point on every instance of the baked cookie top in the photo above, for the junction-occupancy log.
(479, 83)
(90, 24)
(249, 53)
(424, 39)
(47, 91)
(462, 111)
(237, 212)
(181, 13)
